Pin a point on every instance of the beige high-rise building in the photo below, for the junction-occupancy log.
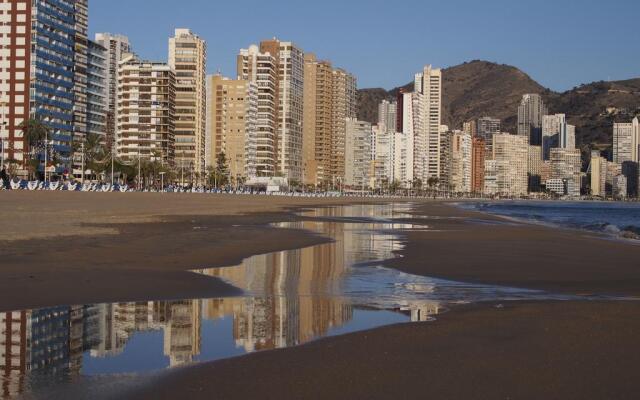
(188, 58)
(146, 111)
(289, 60)
(508, 169)
(329, 100)
(598, 174)
(261, 69)
(429, 84)
(232, 113)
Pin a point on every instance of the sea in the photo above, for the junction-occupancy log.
(615, 219)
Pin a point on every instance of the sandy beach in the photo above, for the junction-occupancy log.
(67, 248)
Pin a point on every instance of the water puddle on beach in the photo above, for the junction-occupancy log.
(290, 298)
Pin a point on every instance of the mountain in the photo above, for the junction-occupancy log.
(480, 88)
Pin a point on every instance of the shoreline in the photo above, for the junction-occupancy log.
(460, 245)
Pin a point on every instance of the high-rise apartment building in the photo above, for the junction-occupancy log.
(478, 154)
(261, 69)
(598, 174)
(188, 58)
(388, 115)
(626, 142)
(486, 127)
(412, 123)
(429, 84)
(116, 46)
(329, 100)
(510, 165)
(461, 162)
(232, 114)
(530, 115)
(81, 49)
(403, 162)
(535, 167)
(146, 111)
(97, 80)
(289, 60)
(38, 62)
(357, 154)
(566, 165)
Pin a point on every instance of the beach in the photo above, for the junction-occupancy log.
(81, 248)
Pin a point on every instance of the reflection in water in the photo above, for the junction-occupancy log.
(291, 297)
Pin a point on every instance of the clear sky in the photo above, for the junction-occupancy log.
(560, 43)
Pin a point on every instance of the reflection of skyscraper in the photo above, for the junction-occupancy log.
(32, 342)
(182, 332)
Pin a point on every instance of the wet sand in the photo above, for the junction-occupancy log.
(524, 351)
(76, 248)
(473, 247)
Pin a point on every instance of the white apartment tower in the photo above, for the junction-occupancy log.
(357, 153)
(626, 142)
(116, 46)
(188, 58)
(388, 115)
(429, 84)
(260, 69)
(146, 111)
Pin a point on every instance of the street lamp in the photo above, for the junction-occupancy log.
(162, 181)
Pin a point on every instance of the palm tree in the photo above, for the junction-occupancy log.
(35, 133)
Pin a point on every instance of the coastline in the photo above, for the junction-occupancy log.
(497, 350)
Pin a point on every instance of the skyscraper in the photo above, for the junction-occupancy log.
(96, 89)
(510, 164)
(329, 100)
(429, 84)
(388, 115)
(626, 142)
(461, 162)
(38, 58)
(146, 111)
(187, 57)
(566, 165)
(598, 174)
(81, 49)
(357, 153)
(117, 46)
(478, 154)
(261, 69)
(232, 112)
(289, 60)
(530, 114)
(412, 123)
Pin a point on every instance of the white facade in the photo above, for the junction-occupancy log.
(388, 115)
(511, 157)
(626, 142)
(429, 84)
(357, 153)
(413, 124)
(187, 58)
(566, 165)
(403, 158)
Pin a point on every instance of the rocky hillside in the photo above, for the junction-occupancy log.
(479, 88)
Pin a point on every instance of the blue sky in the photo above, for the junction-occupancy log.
(560, 43)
